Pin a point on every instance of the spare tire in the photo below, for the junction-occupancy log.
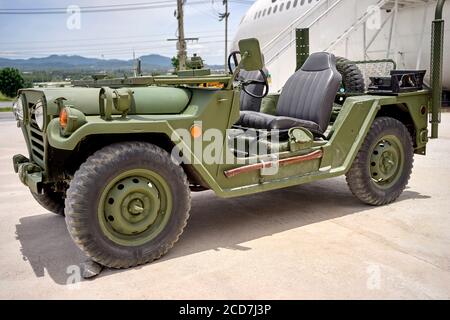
(352, 77)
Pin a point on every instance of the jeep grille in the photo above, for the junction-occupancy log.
(37, 142)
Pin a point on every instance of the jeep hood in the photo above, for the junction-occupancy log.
(145, 100)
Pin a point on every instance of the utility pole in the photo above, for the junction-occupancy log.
(224, 16)
(181, 40)
(181, 45)
(134, 64)
(137, 67)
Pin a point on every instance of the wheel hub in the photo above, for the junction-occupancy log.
(132, 205)
(136, 207)
(385, 162)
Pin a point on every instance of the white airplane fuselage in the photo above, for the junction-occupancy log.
(273, 23)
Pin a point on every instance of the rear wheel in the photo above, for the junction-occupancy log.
(127, 204)
(51, 201)
(384, 163)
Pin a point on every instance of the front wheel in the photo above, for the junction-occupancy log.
(127, 204)
(384, 163)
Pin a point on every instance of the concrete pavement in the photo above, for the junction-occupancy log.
(6, 116)
(6, 104)
(311, 241)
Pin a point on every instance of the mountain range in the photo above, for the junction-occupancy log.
(72, 62)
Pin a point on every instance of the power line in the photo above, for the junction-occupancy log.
(91, 7)
(106, 8)
(110, 6)
(107, 38)
(166, 4)
(209, 14)
(113, 43)
(68, 50)
(106, 52)
(98, 9)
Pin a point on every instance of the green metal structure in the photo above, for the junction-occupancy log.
(302, 46)
(437, 56)
(119, 157)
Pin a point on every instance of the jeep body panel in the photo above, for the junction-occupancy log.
(219, 109)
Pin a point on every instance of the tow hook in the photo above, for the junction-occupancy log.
(30, 174)
(18, 159)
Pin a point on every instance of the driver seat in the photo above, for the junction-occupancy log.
(306, 100)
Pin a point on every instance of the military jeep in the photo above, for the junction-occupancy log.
(120, 157)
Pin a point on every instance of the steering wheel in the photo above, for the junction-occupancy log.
(244, 83)
(265, 83)
(233, 55)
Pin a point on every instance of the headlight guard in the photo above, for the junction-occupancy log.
(18, 108)
(39, 115)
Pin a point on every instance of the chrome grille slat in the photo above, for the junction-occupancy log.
(37, 142)
(36, 130)
(39, 152)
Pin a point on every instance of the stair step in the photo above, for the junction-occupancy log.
(404, 4)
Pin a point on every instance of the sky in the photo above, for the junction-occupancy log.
(114, 34)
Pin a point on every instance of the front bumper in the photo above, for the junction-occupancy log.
(29, 173)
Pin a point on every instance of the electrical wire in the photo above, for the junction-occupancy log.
(108, 8)
(101, 50)
(109, 38)
(93, 7)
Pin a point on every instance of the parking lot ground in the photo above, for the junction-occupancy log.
(306, 242)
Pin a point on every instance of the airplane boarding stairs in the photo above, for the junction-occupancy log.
(357, 30)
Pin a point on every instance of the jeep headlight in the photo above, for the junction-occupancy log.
(18, 109)
(39, 115)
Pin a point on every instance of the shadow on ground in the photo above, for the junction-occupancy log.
(214, 224)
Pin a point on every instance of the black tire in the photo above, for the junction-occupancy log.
(352, 78)
(83, 199)
(51, 201)
(359, 177)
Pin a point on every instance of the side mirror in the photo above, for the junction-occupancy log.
(253, 61)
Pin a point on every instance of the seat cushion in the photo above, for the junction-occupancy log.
(257, 120)
(286, 123)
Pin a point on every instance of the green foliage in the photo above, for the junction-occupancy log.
(28, 84)
(175, 63)
(11, 80)
(4, 98)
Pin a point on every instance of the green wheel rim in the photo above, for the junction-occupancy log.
(386, 161)
(135, 207)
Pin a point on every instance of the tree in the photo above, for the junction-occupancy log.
(175, 63)
(11, 80)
